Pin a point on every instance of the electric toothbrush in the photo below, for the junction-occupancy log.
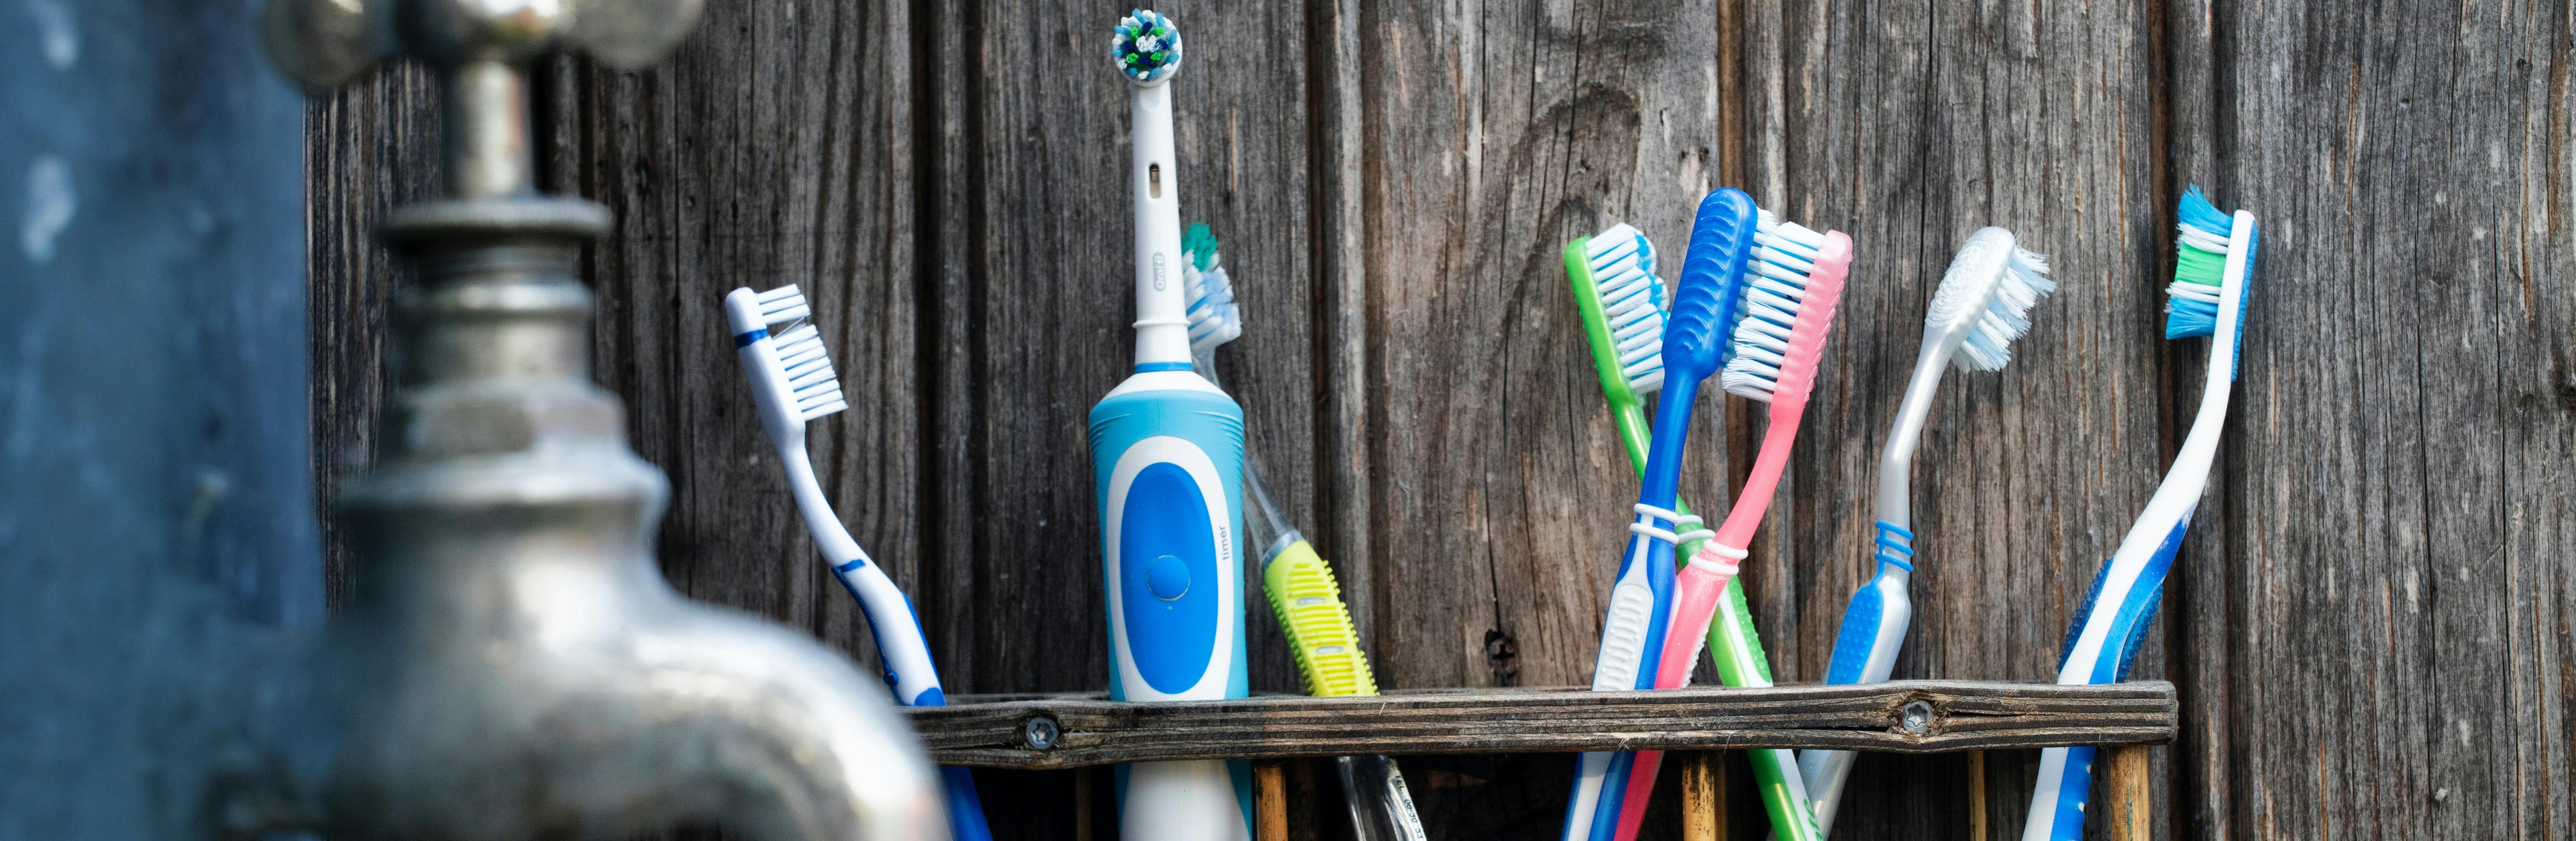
(1167, 465)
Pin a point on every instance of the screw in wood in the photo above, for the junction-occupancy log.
(1918, 718)
(1040, 733)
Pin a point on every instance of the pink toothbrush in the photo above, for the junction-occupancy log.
(1793, 281)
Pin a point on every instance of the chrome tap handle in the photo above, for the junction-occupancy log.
(329, 43)
(481, 49)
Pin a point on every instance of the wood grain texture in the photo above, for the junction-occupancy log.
(2368, 632)
(774, 148)
(1961, 716)
(1490, 134)
(1703, 797)
(2401, 447)
(370, 147)
(1910, 125)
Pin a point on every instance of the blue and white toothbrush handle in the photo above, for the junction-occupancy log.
(905, 652)
(902, 649)
(1630, 639)
(1865, 649)
(1167, 459)
(2101, 648)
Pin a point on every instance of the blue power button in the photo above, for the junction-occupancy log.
(1167, 577)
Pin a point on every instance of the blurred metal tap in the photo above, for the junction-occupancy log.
(511, 664)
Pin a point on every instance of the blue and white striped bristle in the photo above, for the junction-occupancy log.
(2200, 266)
(1215, 317)
(1146, 46)
(1622, 262)
(1774, 288)
(813, 390)
(2007, 317)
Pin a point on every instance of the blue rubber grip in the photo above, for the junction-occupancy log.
(1859, 634)
(2074, 787)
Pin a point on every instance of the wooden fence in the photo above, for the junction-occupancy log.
(2370, 633)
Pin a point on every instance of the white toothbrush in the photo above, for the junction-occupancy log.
(792, 383)
(1982, 306)
(2213, 268)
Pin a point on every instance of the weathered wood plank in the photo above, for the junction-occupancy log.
(369, 147)
(2403, 425)
(1490, 135)
(1902, 717)
(773, 148)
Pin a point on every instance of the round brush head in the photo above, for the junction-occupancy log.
(1146, 46)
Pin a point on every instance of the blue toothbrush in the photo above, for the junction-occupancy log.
(1632, 637)
(1982, 305)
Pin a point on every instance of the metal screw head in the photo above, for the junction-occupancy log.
(1917, 718)
(1040, 733)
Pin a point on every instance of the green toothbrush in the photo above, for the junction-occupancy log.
(1622, 303)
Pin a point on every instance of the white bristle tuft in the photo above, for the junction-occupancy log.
(1215, 317)
(1622, 262)
(783, 304)
(1775, 288)
(2024, 281)
(813, 388)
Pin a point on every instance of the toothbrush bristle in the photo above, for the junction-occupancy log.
(1145, 46)
(1622, 262)
(813, 389)
(2200, 267)
(2018, 284)
(1215, 317)
(1774, 290)
(783, 304)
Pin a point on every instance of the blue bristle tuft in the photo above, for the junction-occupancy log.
(2197, 212)
(2185, 318)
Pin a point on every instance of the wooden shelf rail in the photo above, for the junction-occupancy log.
(1917, 716)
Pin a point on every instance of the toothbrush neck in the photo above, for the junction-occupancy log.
(1758, 487)
(1896, 461)
(1662, 478)
(1162, 319)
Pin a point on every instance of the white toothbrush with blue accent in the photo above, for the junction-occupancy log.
(2213, 268)
(1983, 304)
(1167, 465)
(792, 382)
(1641, 598)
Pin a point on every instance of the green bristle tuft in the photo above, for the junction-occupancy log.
(1200, 244)
(2206, 268)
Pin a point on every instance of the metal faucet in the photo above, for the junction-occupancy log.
(511, 665)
